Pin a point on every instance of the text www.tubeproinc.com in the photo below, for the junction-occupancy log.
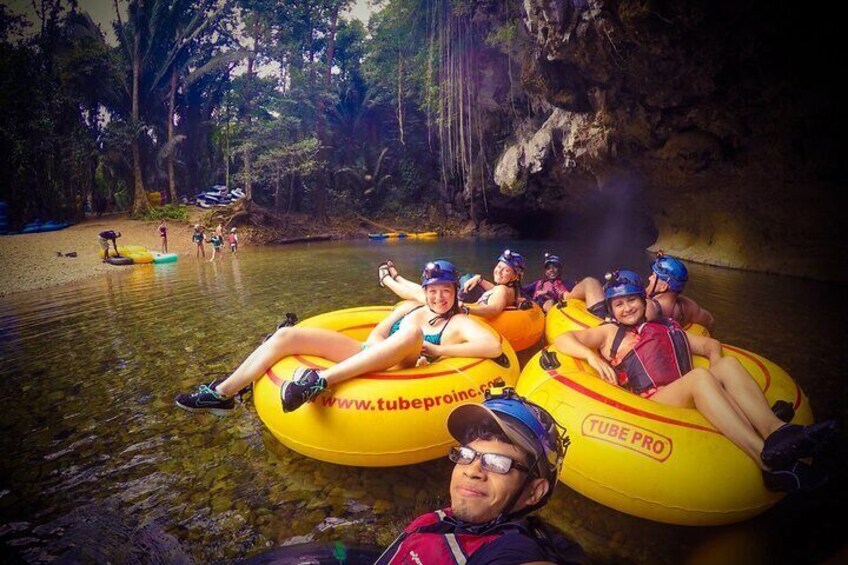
(402, 402)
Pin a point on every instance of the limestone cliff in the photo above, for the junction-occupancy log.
(711, 117)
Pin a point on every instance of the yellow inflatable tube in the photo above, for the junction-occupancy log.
(124, 250)
(649, 460)
(574, 315)
(423, 235)
(521, 328)
(384, 419)
(140, 257)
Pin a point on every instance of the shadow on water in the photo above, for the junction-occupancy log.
(101, 466)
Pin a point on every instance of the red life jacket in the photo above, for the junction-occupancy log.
(660, 356)
(428, 539)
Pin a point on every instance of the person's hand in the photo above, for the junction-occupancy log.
(430, 350)
(605, 371)
(422, 362)
(471, 283)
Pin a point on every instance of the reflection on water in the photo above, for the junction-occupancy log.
(100, 465)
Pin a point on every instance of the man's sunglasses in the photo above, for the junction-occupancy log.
(494, 462)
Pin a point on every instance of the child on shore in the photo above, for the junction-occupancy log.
(197, 238)
(163, 235)
(217, 243)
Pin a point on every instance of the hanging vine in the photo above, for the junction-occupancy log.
(456, 77)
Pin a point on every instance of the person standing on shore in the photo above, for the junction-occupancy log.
(104, 238)
(163, 235)
(217, 242)
(197, 238)
(233, 240)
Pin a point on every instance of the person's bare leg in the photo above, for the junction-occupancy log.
(747, 394)
(701, 390)
(405, 289)
(401, 348)
(590, 290)
(287, 341)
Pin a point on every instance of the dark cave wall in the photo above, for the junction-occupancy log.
(716, 114)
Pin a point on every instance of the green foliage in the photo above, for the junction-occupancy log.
(167, 212)
(503, 38)
(368, 116)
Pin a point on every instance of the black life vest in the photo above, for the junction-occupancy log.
(660, 356)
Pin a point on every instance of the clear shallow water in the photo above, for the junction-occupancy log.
(100, 465)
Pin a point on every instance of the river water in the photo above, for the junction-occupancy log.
(99, 465)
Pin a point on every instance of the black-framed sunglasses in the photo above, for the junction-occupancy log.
(494, 462)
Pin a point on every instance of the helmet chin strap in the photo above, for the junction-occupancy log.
(505, 515)
(653, 290)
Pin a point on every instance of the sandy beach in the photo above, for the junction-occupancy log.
(31, 261)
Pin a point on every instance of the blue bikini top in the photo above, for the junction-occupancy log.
(434, 339)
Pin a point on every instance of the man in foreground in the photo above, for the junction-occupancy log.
(507, 464)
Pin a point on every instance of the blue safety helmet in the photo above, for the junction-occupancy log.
(439, 271)
(551, 258)
(671, 270)
(513, 259)
(623, 283)
(528, 426)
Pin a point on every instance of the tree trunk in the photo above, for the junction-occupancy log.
(320, 126)
(172, 94)
(277, 190)
(247, 113)
(140, 205)
(248, 174)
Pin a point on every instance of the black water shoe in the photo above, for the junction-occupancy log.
(797, 477)
(205, 399)
(305, 385)
(791, 442)
(783, 410)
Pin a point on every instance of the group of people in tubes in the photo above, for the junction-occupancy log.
(434, 321)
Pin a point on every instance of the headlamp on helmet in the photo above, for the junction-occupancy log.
(439, 271)
(550, 258)
(513, 259)
(623, 283)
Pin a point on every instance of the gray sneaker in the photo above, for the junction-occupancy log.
(206, 399)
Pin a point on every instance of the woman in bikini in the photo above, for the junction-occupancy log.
(724, 393)
(411, 335)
